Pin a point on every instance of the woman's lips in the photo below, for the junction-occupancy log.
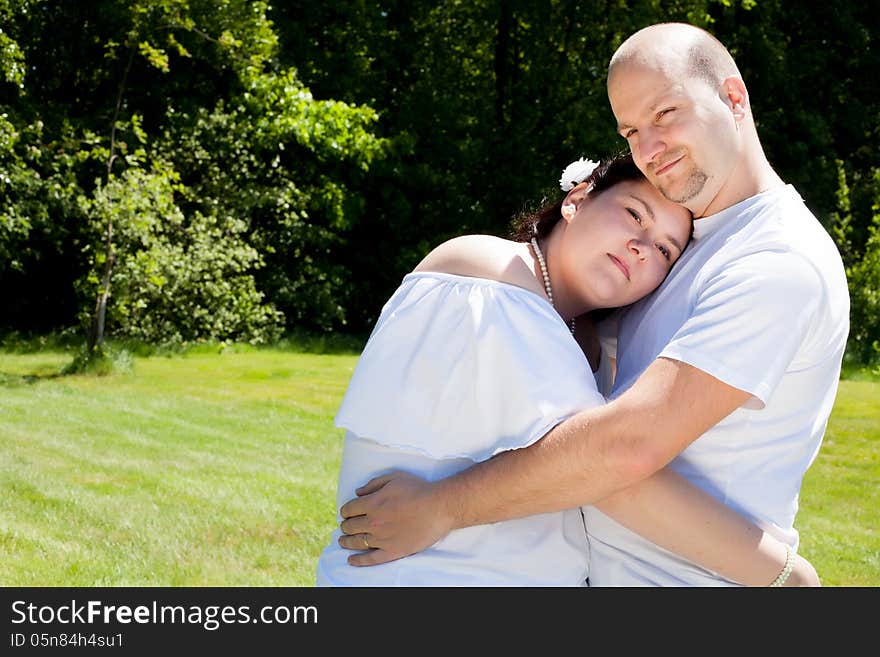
(620, 265)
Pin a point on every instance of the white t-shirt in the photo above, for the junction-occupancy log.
(759, 300)
(606, 332)
(456, 370)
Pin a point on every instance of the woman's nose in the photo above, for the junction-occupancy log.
(638, 248)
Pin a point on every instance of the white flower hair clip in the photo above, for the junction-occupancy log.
(575, 173)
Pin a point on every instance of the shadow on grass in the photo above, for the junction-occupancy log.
(325, 343)
(300, 343)
(15, 342)
(9, 380)
(71, 341)
(112, 359)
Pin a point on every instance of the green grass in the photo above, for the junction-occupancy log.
(839, 515)
(204, 469)
(217, 467)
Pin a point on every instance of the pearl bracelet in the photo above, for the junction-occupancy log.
(786, 569)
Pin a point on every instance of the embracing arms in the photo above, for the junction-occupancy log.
(673, 513)
(581, 461)
(588, 458)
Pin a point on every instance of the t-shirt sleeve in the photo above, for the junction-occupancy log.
(749, 321)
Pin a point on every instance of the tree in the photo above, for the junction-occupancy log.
(92, 146)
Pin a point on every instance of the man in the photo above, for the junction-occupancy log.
(727, 373)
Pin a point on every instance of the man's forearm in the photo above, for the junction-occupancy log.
(596, 452)
(579, 462)
(669, 511)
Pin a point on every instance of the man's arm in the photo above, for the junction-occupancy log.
(583, 460)
(671, 512)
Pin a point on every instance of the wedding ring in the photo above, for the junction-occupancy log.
(366, 542)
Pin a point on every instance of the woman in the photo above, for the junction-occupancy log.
(474, 354)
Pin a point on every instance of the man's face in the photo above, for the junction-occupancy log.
(681, 132)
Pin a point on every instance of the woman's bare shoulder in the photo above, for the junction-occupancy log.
(469, 255)
(483, 256)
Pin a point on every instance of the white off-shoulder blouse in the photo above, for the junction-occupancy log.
(458, 369)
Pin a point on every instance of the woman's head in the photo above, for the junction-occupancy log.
(611, 240)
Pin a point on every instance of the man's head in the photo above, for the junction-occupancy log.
(681, 104)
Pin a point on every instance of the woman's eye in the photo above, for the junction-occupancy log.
(666, 252)
(635, 215)
(663, 113)
(629, 133)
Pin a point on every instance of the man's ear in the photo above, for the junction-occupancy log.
(572, 201)
(735, 96)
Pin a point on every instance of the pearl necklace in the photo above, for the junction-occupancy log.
(546, 275)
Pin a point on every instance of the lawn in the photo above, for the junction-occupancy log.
(217, 467)
(201, 470)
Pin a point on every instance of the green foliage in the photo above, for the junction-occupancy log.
(830, 47)
(100, 362)
(326, 147)
(277, 159)
(122, 95)
(487, 101)
(864, 287)
(40, 221)
(14, 182)
(175, 278)
(11, 61)
(12, 65)
(841, 228)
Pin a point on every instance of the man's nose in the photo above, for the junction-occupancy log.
(651, 145)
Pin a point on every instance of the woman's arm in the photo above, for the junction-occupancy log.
(668, 510)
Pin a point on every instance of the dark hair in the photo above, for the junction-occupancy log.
(540, 223)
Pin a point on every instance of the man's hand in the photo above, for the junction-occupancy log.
(394, 515)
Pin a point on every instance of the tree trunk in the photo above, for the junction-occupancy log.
(96, 329)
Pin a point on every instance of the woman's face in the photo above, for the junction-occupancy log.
(620, 243)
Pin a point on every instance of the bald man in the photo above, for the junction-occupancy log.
(727, 373)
